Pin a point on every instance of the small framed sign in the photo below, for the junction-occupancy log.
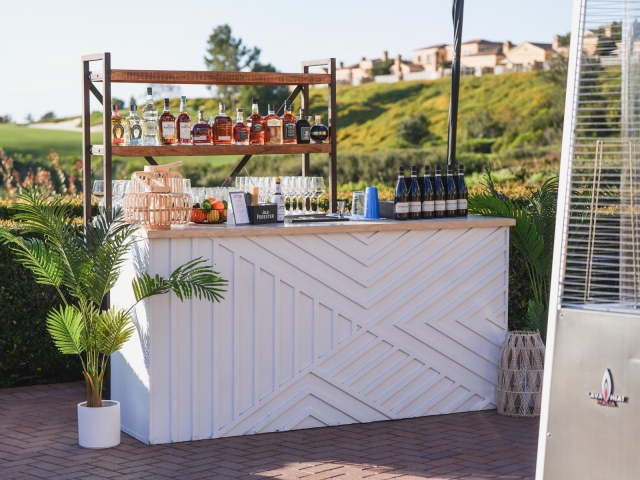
(239, 208)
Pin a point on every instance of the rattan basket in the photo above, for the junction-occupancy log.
(520, 375)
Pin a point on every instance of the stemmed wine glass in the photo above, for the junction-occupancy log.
(98, 191)
(318, 190)
(308, 194)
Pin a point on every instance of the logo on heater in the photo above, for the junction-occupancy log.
(607, 398)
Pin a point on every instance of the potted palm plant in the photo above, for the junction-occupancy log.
(82, 262)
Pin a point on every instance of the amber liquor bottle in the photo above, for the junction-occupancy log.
(222, 126)
(303, 129)
(167, 123)
(117, 127)
(240, 130)
(273, 123)
(288, 125)
(201, 131)
(183, 123)
(256, 125)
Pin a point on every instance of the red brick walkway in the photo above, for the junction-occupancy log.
(38, 439)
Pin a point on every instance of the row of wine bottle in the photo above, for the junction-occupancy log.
(430, 198)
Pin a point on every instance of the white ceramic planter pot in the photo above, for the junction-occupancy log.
(99, 427)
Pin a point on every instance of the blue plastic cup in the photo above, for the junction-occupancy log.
(371, 205)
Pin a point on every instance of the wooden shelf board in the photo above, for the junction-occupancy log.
(218, 78)
(215, 150)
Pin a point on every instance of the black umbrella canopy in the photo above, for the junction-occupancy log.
(458, 7)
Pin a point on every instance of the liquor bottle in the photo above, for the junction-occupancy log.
(278, 199)
(273, 123)
(117, 127)
(256, 125)
(150, 121)
(303, 129)
(439, 202)
(201, 131)
(452, 194)
(319, 133)
(427, 194)
(240, 130)
(415, 196)
(401, 198)
(167, 123)
(134, 126)
(222, 127)
(288, 125)
(183, 123)
(463, 194)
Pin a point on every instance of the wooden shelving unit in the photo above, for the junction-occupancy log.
(105, 75)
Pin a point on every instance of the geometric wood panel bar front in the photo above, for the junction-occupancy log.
(387, 321)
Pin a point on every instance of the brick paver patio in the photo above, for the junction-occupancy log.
(38, 439)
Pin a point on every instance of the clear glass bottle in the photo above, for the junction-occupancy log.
(273, 124)
(222, 127)
(288, 125)
(150, 121)
(183, 124)
(134, 126)
(319, 133)
(201, 131)
(240, 130)
(117, 127)
(167, 124)
(303, 129)
(256, 125)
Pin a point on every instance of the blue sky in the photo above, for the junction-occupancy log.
(41, 41)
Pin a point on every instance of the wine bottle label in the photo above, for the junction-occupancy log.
(439, 205)
(224, 137)
(135, 134)
(151, 127)
(463, 204)
(415, 207)
(305, 133)
(199, 138)
(402, 207)
(428, 206)
(185, 130)
(256, 127)
(451, 204)
(274, 122)
(168, 128)
(243, 135)
(289, 131)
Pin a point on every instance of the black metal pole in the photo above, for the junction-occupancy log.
(458, 7)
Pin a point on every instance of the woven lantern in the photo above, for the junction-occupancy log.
(157, 199)
(520, 375)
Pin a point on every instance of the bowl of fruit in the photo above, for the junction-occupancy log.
(209, 211)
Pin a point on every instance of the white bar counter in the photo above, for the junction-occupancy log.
(322, 324)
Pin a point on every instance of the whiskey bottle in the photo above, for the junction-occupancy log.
(167, 123)
(273, 123)
(134, 126)
(303, 129)
(117, 127)
(451, 201)
(256, 125)
(319, 133)
(438, 195)
(222, 127)
(240, 130)
(427, 194)
(201, 131)
(150, 121)
(463, 193)
(288, 125)
(183, 123)
(415, 195)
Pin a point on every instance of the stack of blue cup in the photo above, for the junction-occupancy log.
(371, 205)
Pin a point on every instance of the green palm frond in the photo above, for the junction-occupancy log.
(115, 330)
(145, 286)
(66, 327)
(537, 316)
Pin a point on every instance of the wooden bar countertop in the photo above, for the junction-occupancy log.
(223, 230)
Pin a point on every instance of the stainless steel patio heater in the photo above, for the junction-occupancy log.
(590, 422)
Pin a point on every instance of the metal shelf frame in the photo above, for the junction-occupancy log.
(105, 75)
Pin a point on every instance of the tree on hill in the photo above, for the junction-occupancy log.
(415, 130)
(228, 54)
(48, 116)
(264, 93)
(382, 68)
